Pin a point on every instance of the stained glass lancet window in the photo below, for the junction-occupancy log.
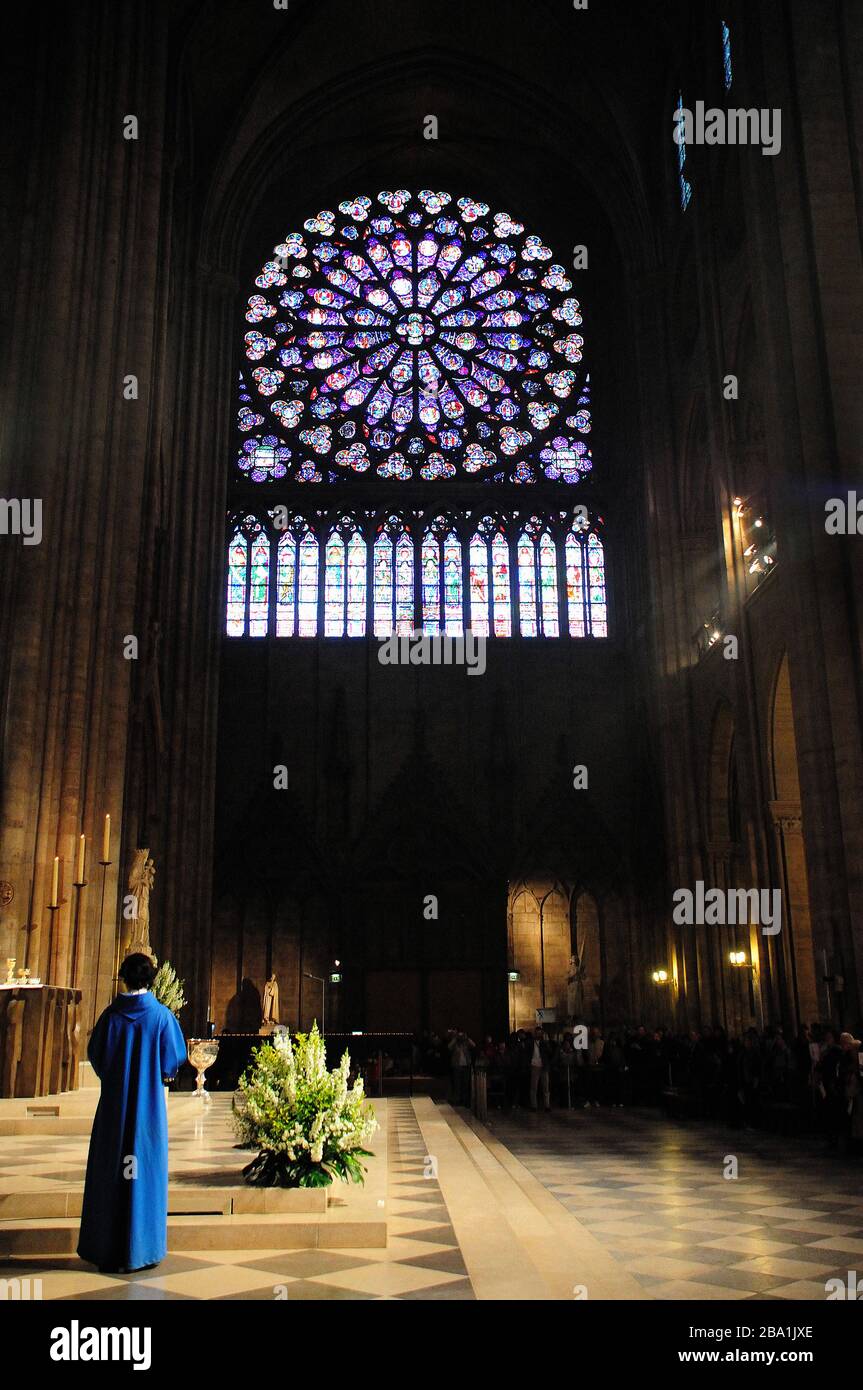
(537, 581)
(248, 580)
(297, 580)
(596, 586)
(334, 587)
(431, 582)
(586, 601)
(685, 186)
(383, 585)
(345, 581)
(489, 579)
(259, 587)
(527, 597)
(575, 586)
(727, 69)
(548, 586)
(275, 569)
(286, 585)
(356, 608)
(443, 607)
(238, 563)
(478, 555)
(307, 589)
(393, 579)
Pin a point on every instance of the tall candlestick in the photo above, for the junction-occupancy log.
(106, 841)
(82, 846)
(55, 883)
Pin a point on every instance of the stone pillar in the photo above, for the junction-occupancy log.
(798, 949)
(95, 199)
(803, 209)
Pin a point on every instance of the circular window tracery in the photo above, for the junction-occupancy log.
(418, 337)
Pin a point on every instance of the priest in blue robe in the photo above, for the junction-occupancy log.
(135, 1048)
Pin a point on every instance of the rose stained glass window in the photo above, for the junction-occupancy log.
(417, 336)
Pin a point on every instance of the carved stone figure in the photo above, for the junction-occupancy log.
(13, 1049)
(140, 882)
(71, 1048)
(270, 1005)
(575, 988)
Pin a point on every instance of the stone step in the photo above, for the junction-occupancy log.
(72, 1113)
(285, 1231)
(44, 1124)
(203, 1200)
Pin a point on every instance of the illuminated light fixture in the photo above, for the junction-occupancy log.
(660, 977)
(759, 521)
(737, 957)
(335, 978)
(513, 976)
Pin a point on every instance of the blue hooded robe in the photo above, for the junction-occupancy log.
(124, 1221)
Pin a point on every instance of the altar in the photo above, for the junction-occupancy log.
(40, 1039)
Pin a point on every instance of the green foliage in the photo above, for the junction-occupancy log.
(167, 988)
(307, 1124)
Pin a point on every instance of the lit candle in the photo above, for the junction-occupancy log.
(82, 844)
(55, 883)
(106, 841)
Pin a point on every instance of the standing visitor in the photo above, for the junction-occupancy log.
(460, 1050)
(135, 1048)
(540, 1067)
(566, 1062)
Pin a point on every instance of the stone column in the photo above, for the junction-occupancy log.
(804, 212)
(798, 949)
(95, 199)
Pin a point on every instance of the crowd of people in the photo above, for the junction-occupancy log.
(744, 1081)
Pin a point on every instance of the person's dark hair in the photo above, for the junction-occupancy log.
(137, 971)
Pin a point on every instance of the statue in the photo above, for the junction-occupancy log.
(575, 988)
(71, 1049)
(140, 882)
(14, 1049)
(270, 1005)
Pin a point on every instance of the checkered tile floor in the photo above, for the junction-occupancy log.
(421, 1261)
(653, 1192)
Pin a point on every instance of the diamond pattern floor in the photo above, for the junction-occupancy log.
(654, 1194)
(421, 1260)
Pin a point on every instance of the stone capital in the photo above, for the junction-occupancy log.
(787, 817)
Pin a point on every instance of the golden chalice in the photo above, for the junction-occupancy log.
(202, 1054)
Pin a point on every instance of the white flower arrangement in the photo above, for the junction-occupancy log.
(308, 1125)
